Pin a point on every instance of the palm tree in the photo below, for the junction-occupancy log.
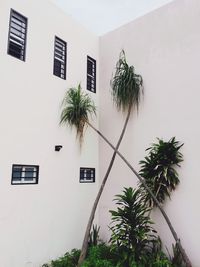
(159, 169)
(77, 107)
(126, 90)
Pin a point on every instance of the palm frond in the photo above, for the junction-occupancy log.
(127, 86)
(131, 225)
(77, 106)
(158, 169)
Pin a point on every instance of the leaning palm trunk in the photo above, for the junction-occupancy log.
(77, 106)
(92, 214)
(185, 257)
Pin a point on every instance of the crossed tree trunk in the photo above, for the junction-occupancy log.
(92, 214)
(116, 152)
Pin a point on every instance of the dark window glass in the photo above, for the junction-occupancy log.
(87, 175)
(25, 174)
(17, 35)
(60, 54)
(91, 74)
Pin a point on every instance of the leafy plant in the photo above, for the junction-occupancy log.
(77, 107)
(131, 226)
(177, 258)
(126, 90)
(158, 169)
(99, 256)
(157, 257)
(126, 85)
(68, 260)
(94, 236)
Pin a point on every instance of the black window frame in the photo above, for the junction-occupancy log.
(63, 65)
(22, 179)
(18, 42)
(91, 77)
(90, 176)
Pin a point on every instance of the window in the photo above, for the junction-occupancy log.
(25, 174)
(87, 175)
(91, 74)
(60, 53)
(17, 35)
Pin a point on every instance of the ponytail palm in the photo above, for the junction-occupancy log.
(126, 90)
(126, 85)
(77, 108)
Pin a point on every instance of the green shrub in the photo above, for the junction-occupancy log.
(68, 260)
(99, 256)
(157, 258)
(132, 232)
(177, 258)
(97, 263)
(159, 169)
(104, 255)
(94, 236)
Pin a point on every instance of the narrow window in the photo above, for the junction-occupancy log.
(87, 175)
(25, 174)
(60, 53)
(91, 74)
(17, 35)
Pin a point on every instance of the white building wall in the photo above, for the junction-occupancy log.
(164, 48)
(41, 222)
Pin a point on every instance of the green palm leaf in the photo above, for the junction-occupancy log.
(158, 169)
(126, 85)
(131, 226)
(77, 106)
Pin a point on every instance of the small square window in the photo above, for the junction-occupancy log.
(60, 54)
(17, 35)
(87, 175)
(25, 174)
(91, 74)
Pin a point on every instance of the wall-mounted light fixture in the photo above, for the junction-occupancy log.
(58, 147)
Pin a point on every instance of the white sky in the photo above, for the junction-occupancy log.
(101, 16)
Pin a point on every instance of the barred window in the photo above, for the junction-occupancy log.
(91, 74)
(17, 35)
(87, 175)
(60, 54)
(25, 174)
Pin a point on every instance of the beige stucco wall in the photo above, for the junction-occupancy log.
(41, 222)
(164, 48)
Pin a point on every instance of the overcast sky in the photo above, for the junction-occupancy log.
(101, 16)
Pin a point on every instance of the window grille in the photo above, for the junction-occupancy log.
(91, 74)
(60, 53)
(17, 35)
(87, 175)
(25, 174)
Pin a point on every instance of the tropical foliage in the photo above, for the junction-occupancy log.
(159, 169)
(126, 89)
(100, 256)
(131, 228)
(70, 259)
(134, 242)
(126, 85)
(177, 258)
(77, 107)
(94, 236)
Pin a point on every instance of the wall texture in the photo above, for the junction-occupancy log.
(164, 48)
(41, 222)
